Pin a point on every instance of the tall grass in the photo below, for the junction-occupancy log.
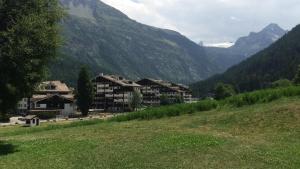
(167, 111)
(261, 96)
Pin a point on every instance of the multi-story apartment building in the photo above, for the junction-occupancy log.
(152, 91)
(113, 93)
(50, 96)
(186, 93)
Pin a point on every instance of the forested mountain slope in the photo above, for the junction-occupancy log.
(278, 61)
(108, 41)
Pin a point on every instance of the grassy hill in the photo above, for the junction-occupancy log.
(264, 135)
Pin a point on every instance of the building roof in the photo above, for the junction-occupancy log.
(30, 117)
(53, 86)
(37, 98)
(120, 80)
(172, 86)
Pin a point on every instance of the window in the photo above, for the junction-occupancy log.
(27, 121)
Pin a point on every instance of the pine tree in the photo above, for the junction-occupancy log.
(85, 92)
(29, 37)
(297, 77)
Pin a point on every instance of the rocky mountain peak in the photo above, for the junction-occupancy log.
(274, 28)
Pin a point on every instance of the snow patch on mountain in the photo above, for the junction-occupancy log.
(220, 45)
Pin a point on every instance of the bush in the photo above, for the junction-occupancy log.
(168, 111)
(297, 77)
(262, 96)
(282, 83)
(223, 91)
(4, 118)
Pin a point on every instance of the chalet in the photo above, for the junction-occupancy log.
(50, 96)
(113, 93)
(152, 91)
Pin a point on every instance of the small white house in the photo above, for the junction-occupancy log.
(32, 120)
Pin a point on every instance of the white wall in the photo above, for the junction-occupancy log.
(22, 105)
(69, 109)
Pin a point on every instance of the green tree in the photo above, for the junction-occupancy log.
(178, 100)
(164, 100)
(135, 100)
(85, 91)
(297, 77)
(29, 37)
(282, 83)
(223, 91)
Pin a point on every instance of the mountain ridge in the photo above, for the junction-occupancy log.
(245, 46)
(279, 61)
(108, 41)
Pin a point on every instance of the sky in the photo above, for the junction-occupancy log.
(212, 21)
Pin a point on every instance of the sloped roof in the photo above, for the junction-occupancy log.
(29, 117)
(53, 86)
(120, 80)
(173, 86)
(37, 98)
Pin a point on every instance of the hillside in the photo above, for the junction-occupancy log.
(278, 61)
(259, 136)
(108, 41)
(245, 46)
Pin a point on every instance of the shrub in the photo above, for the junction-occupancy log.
(281, 83)
(297, 77)
(4, 118)
(262, 96)
(164, 100)
(223, 91)
(167, 111)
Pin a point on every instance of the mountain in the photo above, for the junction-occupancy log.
(245, 46)
(278, 61)
(108, 41)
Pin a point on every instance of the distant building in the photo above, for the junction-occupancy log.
(113, 93)
(152, 91)
(186, 93)
(50, 96)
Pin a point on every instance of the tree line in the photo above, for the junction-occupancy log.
(223, 90)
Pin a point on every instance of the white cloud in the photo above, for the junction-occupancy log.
(211, 20)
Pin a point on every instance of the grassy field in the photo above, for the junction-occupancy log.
(257, 136)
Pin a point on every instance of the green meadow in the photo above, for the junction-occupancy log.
(262, 135)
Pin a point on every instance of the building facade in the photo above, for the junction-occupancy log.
(113, 93)
(50, 96)
(153, 91)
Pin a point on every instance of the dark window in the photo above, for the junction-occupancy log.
(33, 121)
(27, 121)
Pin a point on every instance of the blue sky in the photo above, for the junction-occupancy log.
(212, 21)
